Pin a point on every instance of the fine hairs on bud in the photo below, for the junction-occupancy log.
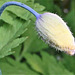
(55, 32)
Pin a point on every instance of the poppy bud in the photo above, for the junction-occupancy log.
(55, 32)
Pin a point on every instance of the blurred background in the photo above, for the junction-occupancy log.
(33, 56)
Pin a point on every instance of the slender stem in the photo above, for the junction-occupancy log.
(21, 5)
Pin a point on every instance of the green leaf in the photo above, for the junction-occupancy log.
(6, 50)
(11, 67)
(52, 66)
(47, 3)
(35, 62)
(38, 7)
(47, 65)
(9, 33)
(73, 5)
(17, 52)
(71, 60)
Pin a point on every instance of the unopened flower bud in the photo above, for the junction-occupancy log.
(55, 32)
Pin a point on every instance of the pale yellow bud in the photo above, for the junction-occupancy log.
(55, 32)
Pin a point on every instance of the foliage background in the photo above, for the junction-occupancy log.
(22, 52)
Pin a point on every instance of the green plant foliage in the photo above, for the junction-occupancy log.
(50, 6)
(20, 40)
(69, 59)
(9, 66)
(16, 20)
(44, 65)
(10, 36)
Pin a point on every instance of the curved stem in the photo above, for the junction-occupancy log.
(21, 5)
